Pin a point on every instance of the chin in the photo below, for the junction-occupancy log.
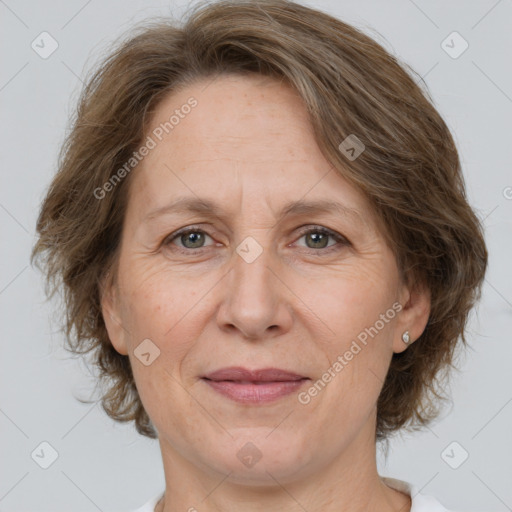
(251, 458)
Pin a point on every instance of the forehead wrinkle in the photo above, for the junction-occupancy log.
(301, 207)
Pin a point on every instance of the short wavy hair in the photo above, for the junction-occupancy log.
(350, 85)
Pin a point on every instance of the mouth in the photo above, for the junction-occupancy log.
(254, 386)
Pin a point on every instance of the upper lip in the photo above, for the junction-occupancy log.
(237, 373)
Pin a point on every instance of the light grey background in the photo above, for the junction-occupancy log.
(109, 467)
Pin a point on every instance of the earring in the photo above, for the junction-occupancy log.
(405, 337)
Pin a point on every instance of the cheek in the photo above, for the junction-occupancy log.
(156, 299)
(357, 307)
(159, 306)
(353, 300)
(172, 310)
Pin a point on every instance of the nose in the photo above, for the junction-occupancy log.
(255, 299)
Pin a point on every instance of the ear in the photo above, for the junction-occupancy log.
(110, 309)
(413, 317)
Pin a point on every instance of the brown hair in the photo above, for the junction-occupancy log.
(409, 171)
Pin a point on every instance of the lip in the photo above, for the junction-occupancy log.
(238, 373)
(254, 386)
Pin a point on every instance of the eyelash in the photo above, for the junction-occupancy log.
(341, 240)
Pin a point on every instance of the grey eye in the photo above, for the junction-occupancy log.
(190, 239)
(195, 238)
(318, 239)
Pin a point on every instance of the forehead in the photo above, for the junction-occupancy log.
(237, 116)
(245, 136)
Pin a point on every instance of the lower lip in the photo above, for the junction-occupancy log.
(252, 393)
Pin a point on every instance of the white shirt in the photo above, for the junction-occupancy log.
(420, 502)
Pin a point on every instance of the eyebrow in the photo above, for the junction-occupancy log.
(299, 207)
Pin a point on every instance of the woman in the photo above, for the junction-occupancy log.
(261, 228)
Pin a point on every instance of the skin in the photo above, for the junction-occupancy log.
(249, 147)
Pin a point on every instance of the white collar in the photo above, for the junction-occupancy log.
(420, 502)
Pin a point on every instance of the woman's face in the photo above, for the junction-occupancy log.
(255, 284)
